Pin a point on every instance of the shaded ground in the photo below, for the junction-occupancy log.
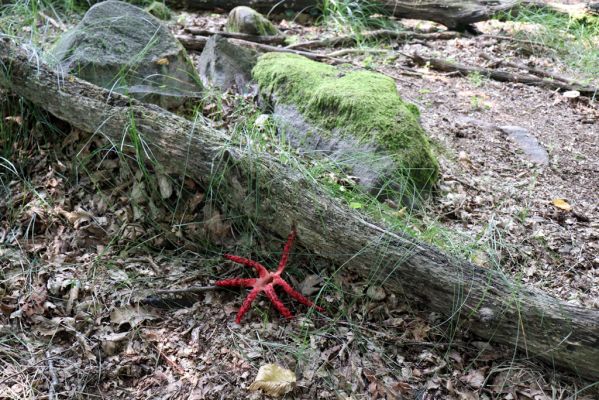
(78, 252)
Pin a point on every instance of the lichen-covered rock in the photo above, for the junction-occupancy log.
(225, 65)
(246, 20)
(123, 48)
(356, 117)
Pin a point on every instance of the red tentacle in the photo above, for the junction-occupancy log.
(247, 303)
(262, 271)
(295, 294)
(270, 292)
(286, 250)
(249, 282)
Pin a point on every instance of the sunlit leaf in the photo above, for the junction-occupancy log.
(561, 204)
(571, 94)
(274, 380)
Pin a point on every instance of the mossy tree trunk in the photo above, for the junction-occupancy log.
(454, 14)
(276, 196)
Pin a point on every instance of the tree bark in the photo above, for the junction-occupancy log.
(276, 196)
(455, 14)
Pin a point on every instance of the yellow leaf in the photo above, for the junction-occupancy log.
(162, 61)
(274, 380)
(561, 204)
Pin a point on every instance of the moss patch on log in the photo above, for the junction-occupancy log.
(363, 104)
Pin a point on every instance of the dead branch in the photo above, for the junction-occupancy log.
(532, 70)
(198, 43)
(502, 76)
(274, 39)
(349, 40)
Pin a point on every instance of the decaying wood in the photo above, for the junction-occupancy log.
(349, 40)
(535, 71)
(191, 42)
(455, 14)
(275, 196)
(503, 76)
(266, 39)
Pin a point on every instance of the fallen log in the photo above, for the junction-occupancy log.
(503, 76)
(455, 14)
(275, 196)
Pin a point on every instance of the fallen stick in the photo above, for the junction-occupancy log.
(349, 40)
(502, 76)
(273, 39)
(343, 52)
(532, 70)
(274, 195)
(198, 42)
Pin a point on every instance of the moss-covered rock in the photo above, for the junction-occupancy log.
(246, 20)
(123, 48)
(360, 105)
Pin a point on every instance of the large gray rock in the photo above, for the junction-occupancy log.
(246, 20)
(123, 48)
(371, 166)
(225, 65)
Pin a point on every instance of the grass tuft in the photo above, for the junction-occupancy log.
(571, 38)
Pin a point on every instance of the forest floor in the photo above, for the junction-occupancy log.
(81, 226)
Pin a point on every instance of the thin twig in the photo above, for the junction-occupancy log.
(532, 70)
(502, 76)
(53, 378)
(344, 52)
(193, 289)
(198, 42)
(374, 35)
(266, 39)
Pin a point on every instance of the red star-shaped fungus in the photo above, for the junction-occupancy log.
(266, 283)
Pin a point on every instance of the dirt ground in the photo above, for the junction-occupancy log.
(78, 260)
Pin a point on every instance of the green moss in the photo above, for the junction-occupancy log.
(358, 103)
(243, 19)
(159, 10)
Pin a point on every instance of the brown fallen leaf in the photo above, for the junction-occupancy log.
(474, 378)
(274, 380)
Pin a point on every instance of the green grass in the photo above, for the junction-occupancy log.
(39, 21)
(353, 16)
(573, 39)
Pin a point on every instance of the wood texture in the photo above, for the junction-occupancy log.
(275, 196)
(553, 82)
(455, 14)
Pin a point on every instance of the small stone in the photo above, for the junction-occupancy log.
(246, 20)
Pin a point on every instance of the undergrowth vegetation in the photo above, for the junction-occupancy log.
(353, 16)
(573, 39)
